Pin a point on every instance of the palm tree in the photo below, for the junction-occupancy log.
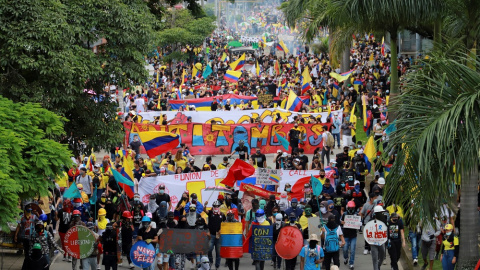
(438, 129)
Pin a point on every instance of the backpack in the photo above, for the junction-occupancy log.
(338, 201)
(359, 165)
(307, 248)
(330, 140)
(331, 240)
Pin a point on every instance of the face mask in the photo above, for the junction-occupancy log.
(103, 199)
(136, 199)
(262, 206)
(394, 220)
(312, 244)
(448, 233)
(261, 219)
(77, 204)
(258, 151)
(359, 146)
(216, 210)
(323, 209)
(378, 156)
(145, 224)
(288, 189)
(308, 212)
(350, 210)
(278, 221)
(351, 147)
(29, 210)
(194, 201)
(192, 210)
(330, 206)
(101, 217)
(322, 175)
(161, 191)
(294, 205)
(342, 184)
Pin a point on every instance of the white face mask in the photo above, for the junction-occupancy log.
(323, 209)
(278, 221)
(261, 219)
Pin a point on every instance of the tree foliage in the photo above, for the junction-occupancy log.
(29, 153)
(47, 57)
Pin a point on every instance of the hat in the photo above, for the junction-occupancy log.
(278, 216)
(359, 152)
(79, 186)
(449, 227)
(285, 154)
(313, 237)
(329, 202)
(333, 161)
(356, 182)
(77, 200)
(381, 181)
(379, 153)
(294, 200)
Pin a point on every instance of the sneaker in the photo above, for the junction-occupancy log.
(384, 262)
(64, 259)
(415, 262)
(98, 267)
(345, 261)
(271, 263)
(351, 266)
(424, 266)
(132, 266)
(70, 259)
(365, 252)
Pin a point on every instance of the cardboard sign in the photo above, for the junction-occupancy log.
(265, 99)
(352, 222)
(231, 240)
(79, 242)
(375, 232)
(268, 176)
(261, 243)
(289, 242)
(184, 241)
(142, 254)
(314, 226)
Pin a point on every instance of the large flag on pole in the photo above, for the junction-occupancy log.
(294, 103)
(237, 65)
(158, 142)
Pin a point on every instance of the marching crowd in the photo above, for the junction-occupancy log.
(350, 187)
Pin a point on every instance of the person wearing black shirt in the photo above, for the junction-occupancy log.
(109, 244)
(126, 234)
(135, 145)
(294, 137)
(163, 197)
(214, 105)
(396, 239)
(215, 219)
(303, 159)
(259, 158)
(209, 163)
(350, 236)
(64, 216)
(242, 151)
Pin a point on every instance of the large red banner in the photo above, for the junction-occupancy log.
(207, 139)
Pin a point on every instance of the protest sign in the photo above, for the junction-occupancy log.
(375, 232)
(314, 226)
(197, 182)
(233, 117)
(265, 99)
(352, 222)
(261, 243)
(231, 240)
(221, 139)
(184, 241)
(142, 254)
(289, 242)
(79, 242)
(268, 176)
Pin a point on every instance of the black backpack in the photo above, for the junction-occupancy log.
(360, 165)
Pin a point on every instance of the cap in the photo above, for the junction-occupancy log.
(351, 204)
(79, 186)
(329, 202)
(379, 153)
(359, 152)
(449, 227)
(278, 216)
(356, 182)
(333, 161)
(294, 200)
(381, 181)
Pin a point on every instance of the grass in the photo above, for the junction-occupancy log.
(437, 264)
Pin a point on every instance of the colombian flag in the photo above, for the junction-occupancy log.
(239, 63)
(356, 84)
(282, 47)
(232, 76)
(274, 178)
(306, 79)
(224, 57)
(158, 142)
(294, 103)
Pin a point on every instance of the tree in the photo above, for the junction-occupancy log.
(437, 134)
(29, 154)
(51, 60)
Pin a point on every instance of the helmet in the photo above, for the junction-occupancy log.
(76, 213)
(381, 181)
(37, 246)
(241, 142)
(193, 196)
(260, 213)
(102, 212)
(378, 209)
(449, 227)
(205, 260)
(216, 204)
(39, 223)
(43, 217)
(146, 219)
(90, 225)
(80, 186)
(351, 204)
(125, 214)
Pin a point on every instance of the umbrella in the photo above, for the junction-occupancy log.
(235, 44)
(219, 189)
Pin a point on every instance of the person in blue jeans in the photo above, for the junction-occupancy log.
(415, 240)
(350, 236)
(215, 219)
(337, 123)
(449, 249)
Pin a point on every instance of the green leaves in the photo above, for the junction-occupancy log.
(29, 155)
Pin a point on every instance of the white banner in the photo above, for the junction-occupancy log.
(263, 176)
(234, 117)
(196, 182)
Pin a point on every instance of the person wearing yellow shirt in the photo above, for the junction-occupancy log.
(85, 198)
(395, 209)
(303, 221)
(180, 160)
(449, 249)
(224, 165)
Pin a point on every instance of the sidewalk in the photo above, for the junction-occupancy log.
(10, 260)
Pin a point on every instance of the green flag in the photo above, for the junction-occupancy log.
(121, 179)
(72, 192)
(208, 70)
(283, 141)
(317, 186)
